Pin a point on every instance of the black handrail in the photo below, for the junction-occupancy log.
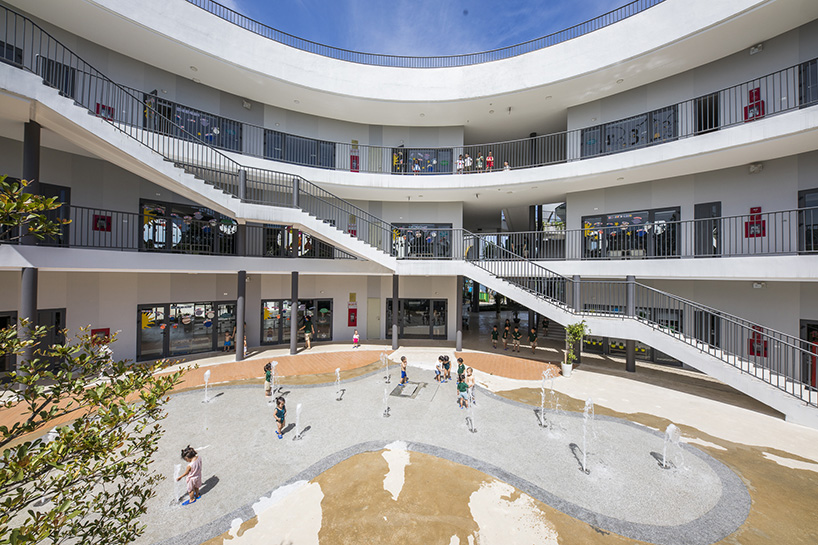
(442, 61)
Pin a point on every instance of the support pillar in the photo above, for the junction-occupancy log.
(28, 310)
(242, 185)
(630, 308)
(459, 320)
(294, 314)
(31, 168)
(241, 240)
(577, 304)
(241, 315)
(395, 308)
(296, 190)
(475, 296)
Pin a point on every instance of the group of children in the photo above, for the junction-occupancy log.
(465, 379)
(514, 336)
(466, 164)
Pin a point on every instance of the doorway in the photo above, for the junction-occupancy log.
(373, 318)
(809, 333)
(707, 231)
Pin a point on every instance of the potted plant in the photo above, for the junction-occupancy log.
(573, 337)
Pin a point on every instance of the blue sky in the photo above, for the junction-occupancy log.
(421, 27)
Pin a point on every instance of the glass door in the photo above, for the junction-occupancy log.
(152, 336)
(809, 333)
(271, 322)
(323, 320)
(225, 323)
(191, 328)
(286, 317)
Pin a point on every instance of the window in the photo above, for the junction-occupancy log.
(299, 150)
(275, 319)
(173, 119)
(808, 221)
(172, 329)
(634, 132)
(58, 75)
(428, 161)
(10, 54)
(419, 318)
(186, 229)
(647, 233)
(707, 113)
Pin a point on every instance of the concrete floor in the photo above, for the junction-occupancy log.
(347, 481)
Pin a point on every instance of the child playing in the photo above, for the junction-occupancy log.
(489, 162)
(532, 338)
(447, 369)
(494, 336)
(506, 335)
(355, 339)
(280, 416)
(461, 368)
(515, 337)
(268, 377)
(228, 341)
(404, 378)
(462, 392)
(438, 372)
(193, 474)
(440, 361)
(470, 383)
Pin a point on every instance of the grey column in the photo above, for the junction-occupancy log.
(28, 310)
(577, 304)
(241, 294)
(31, 166)
(395, 304)
(630, 308)
(577, 299)
(242, 185)
(294, 313)
(459, 319)
(241, 239)
(296, 190)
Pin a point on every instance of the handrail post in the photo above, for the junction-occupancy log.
(296, 189)
(576, 303)
(242, 185)
(630, 311)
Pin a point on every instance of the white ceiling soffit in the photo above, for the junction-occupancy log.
(669, 38)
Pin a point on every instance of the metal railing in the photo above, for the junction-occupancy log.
(99, 228)
(401, 61)
(752, 100)
(29, 47)
(776, 358)
(785, 232)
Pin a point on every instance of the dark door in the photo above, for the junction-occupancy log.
(54, 322)
(7, 361)
(63, 195)
(707, 231)
(809, 333)
(706, 328)
(808, 221)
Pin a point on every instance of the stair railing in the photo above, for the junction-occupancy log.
(27, 46)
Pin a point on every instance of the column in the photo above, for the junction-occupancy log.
(459, 317)
(28, 310)
(31, 167)
(577, 304)
(475, 296)
(241, 293)
(294, 314)
(395, 302)
(630, 308)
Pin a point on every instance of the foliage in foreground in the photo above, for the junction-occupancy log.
(89, 479)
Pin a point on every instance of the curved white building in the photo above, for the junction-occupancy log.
(247, 176)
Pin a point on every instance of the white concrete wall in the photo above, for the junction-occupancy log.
(778, 53)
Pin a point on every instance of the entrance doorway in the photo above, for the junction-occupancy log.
(809, 333)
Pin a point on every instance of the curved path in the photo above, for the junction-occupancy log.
(626, 491)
